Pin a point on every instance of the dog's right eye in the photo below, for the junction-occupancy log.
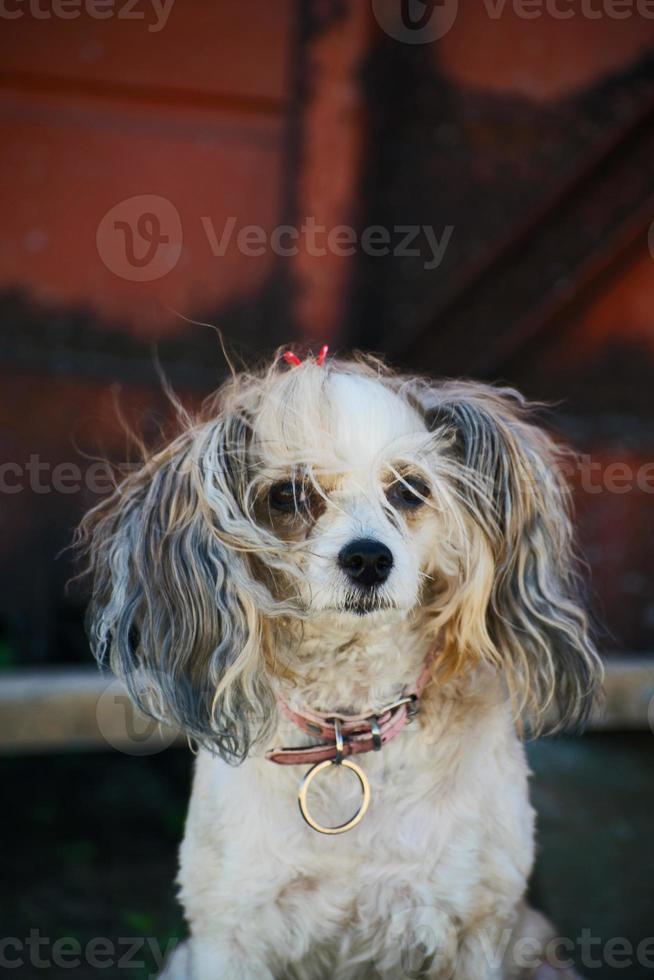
(285, 497)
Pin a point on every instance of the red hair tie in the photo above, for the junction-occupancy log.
(295, 361)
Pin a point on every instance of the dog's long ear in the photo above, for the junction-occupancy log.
(525, 592)
(173, 608)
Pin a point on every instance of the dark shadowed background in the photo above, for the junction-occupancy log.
(466, 188)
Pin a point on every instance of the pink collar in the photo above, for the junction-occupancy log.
(360, 733)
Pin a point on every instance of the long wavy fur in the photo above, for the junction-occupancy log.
(190, 589)
(519, 602)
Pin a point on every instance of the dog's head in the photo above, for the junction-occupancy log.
(340, 492)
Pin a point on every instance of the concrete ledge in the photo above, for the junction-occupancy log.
(629, 694)
(82, 708)
(73, 708)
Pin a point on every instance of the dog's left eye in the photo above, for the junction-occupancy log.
(287, 496)
(408, 493)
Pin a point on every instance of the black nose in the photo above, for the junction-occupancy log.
(366, 562)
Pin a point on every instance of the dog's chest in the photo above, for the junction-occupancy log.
(447, 815)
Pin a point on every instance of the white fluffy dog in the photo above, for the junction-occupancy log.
(358, 583)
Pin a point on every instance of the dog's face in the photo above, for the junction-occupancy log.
(338, 491)
(357, 508)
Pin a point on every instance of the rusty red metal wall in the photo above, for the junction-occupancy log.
(97, 112)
